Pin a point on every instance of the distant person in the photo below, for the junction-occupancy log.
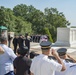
(15, 43)
(20, 41)
(33, 54)
(22, 63)
(6, 59)
(27, 42)
(9, 40)
(3, 34)
(43, 38)
(42, 65)
(67, 60)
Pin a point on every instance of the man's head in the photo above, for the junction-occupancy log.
(45, 46)
(3, 40)
(62, 52)
(15, 35)
(33, 54)
(20, 35)
(22, 51)
(26, 34)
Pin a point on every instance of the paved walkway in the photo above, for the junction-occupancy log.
(70, 50)
(36, 47)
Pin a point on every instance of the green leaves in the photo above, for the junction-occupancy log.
(28, 19)
(22, 26)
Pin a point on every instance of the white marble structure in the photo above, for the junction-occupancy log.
(66, 37)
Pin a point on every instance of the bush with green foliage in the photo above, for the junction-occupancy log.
(46, 31)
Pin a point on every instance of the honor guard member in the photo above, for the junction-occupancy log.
(27, 42)
(42, 65)
(20, 41)
(67, 60)
(15, 43)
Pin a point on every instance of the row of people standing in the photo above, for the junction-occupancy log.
(37, 38)
(41, 65)
(59, 63)
(20, 42)
(10, 64)
(25, 41)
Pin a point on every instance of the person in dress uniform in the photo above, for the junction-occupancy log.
(20, 41)
(42, 65)
(15, 43)
(9, 40)
(67, 59)
(27, 41)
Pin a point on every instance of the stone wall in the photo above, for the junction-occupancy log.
(66, 37)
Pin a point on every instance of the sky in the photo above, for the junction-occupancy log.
(68, 7)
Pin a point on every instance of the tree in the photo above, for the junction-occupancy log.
(20, 10)
(10, 23)
(2, 15)
(7, 18)
(46, 31)
(32, 15)
(55, 19)
(22, 26)
(25, 18)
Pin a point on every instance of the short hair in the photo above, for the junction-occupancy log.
(45, 49)
(33, 54)
(3, 39)
(22, 51)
